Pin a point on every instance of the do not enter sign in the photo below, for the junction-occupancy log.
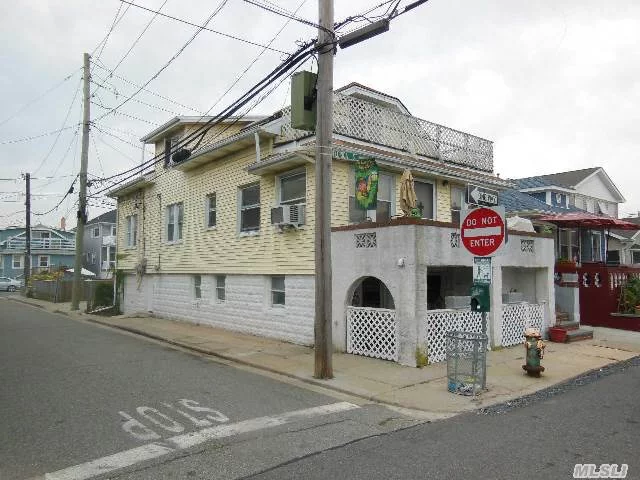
(482, 231)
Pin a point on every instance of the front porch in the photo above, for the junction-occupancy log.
(417, 278)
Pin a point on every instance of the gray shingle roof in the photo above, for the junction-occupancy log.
(107, 217)
(562, 179)
(515, 201)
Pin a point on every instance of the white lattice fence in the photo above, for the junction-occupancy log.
(372, 332)
(439, 322)
(518, 316)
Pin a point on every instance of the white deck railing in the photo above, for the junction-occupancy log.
(359, 119)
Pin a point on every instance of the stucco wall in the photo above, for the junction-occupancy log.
(247, 307)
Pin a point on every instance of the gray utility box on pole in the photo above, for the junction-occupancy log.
(303, 101)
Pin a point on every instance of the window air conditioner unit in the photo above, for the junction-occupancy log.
(288, 215)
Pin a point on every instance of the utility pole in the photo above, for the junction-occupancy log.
(82, 203)
(27, 232)
(324, 130)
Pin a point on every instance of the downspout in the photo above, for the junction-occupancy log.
(256, 138)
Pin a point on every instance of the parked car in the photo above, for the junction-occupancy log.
(9, 284)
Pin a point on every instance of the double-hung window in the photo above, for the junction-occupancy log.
(293, 188)
(95, 233)
(277, 290)
(210, 208)
(569, 245)
(457, 200)
(425, 198)
(170, 144)
(17, 261)
(197, 286)
(43, 261)
(250, 208)
(174, 215)
(131, 236)
(384, 204)
(221, 294)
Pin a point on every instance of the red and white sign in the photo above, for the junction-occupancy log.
(482, 230)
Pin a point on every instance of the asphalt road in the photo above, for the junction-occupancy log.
(78, 400)
(592, 420)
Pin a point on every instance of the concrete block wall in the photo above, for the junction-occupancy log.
(247, 307)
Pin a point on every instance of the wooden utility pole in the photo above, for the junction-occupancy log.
(27, 232)
(324, 130)
(82, 201)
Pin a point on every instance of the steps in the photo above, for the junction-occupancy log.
(579, 334)
(572, 330)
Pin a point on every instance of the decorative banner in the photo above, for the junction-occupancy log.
(366, 183)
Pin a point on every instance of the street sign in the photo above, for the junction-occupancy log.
(482, 270)
(482, 230)
(477, 195)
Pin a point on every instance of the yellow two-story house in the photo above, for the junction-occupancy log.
(225, 235)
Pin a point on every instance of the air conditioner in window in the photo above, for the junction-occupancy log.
(288, 215)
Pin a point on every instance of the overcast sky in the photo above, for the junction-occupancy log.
(553, 83)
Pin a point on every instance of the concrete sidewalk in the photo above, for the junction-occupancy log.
(423, 389)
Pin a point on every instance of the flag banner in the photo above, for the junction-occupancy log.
(366, 183)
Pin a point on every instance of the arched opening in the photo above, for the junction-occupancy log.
(370, 292)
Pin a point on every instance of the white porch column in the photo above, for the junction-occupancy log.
(494, 318)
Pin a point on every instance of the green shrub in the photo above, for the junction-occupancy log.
(630, 296)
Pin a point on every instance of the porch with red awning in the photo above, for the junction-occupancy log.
(587, 220)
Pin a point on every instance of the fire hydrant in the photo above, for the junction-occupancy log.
(534, 347)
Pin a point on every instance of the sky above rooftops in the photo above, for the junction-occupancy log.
(553, 84)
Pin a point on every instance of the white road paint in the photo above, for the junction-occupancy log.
(174, 444)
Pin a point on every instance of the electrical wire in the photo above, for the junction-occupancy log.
(55, 141)
(147, 90)
(135, 42)
(34, 100)
(34, 137)
(176, 55)
(264, 49)
(116, 21)
(298, 56)
(283, 13)
(234, 37)
(60, 202)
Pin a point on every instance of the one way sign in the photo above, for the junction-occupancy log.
(482, 196)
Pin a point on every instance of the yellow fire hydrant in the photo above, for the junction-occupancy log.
(534, 347)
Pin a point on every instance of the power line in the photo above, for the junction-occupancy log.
(298, 57)
(103, 42)
(31, 102)
(135, 42)
(55, 142)
(34, 137)
(240, 39)
(283, 13)
(147, 90)
(69, 192)
(244, 72)
(113, 110)
(176, 55)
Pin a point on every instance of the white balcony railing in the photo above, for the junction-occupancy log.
(373, 123)
(40, 244)
(109, 240)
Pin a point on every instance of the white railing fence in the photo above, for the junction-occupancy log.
(41, 244)
(518, 316)
(372, 332)
(357, 118)
(439, 322)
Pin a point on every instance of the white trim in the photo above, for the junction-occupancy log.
(607, 178)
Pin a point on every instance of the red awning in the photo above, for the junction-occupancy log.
(587, 220)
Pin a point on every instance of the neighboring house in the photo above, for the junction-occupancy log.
(226, 236)
(99, 245)
(51, 248)
(588, 189)
(624, 245)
